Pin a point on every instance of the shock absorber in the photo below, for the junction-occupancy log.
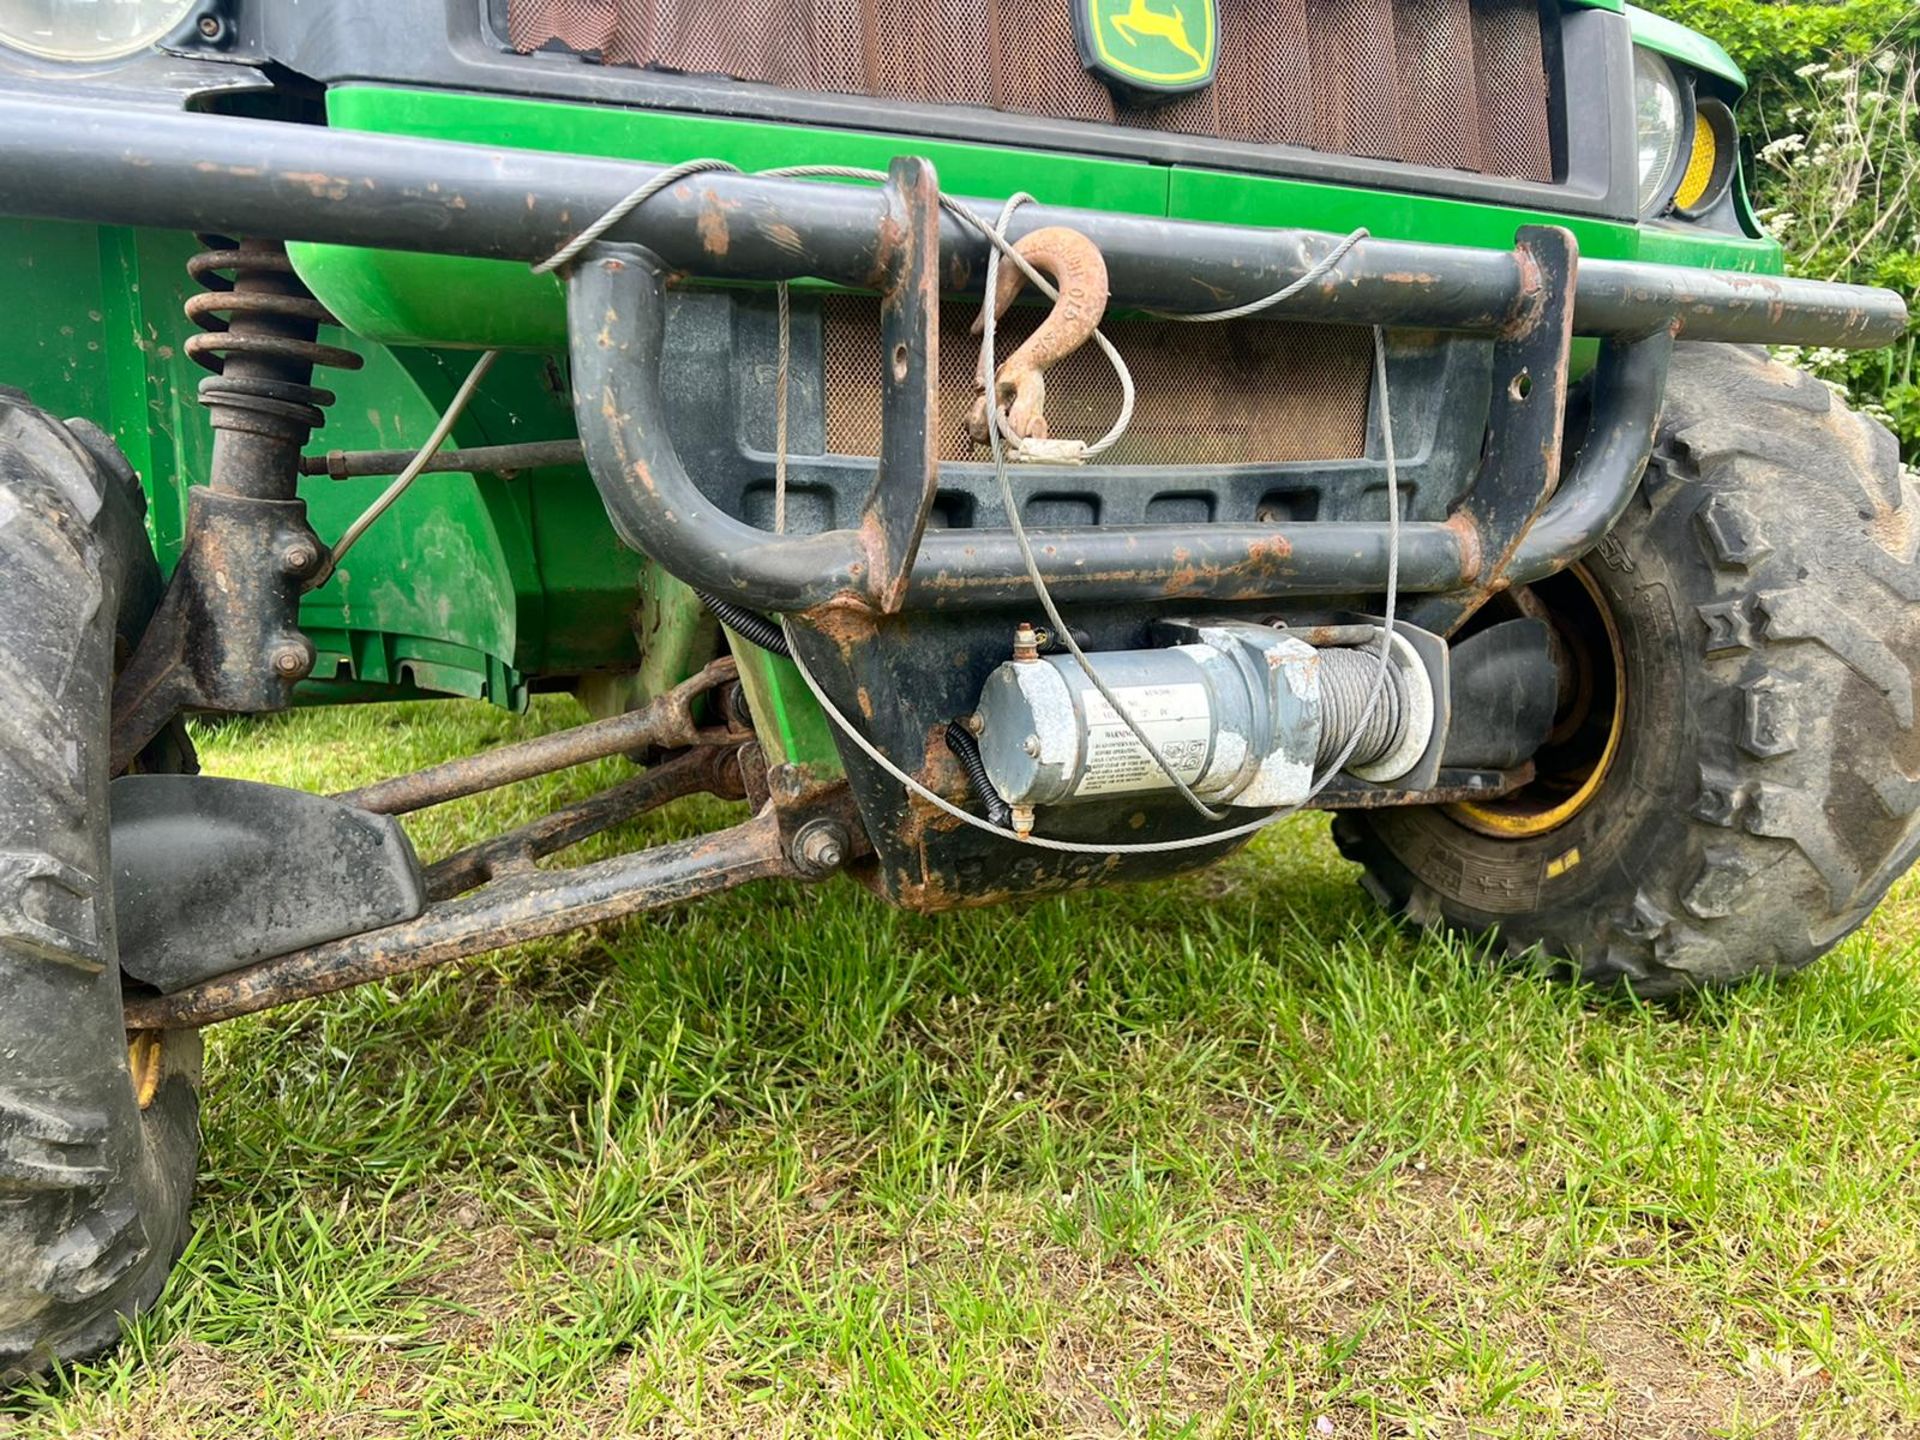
(227, 636)
(261, 343)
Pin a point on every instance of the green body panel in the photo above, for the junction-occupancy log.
(792, 727)
(1266, 200)
(1689, 47)
(677, 636)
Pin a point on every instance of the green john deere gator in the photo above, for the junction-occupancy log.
(1007, 445)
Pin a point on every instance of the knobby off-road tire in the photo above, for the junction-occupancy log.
(1763, 585)
(94, 1189)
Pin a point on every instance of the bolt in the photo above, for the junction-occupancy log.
(1026, 644)
(821, 847)
(210, 27)
(291, 662)
(298, 558)
(1031, 746)
(1023, 820)
(976, 723)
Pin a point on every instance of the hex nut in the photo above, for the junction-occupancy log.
(292, 661)
(820, 847)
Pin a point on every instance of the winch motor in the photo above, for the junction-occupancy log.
(1244, 714)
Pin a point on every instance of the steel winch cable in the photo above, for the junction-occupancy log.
(999, 246)
(442, 428)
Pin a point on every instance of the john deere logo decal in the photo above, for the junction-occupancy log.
(1154, 47)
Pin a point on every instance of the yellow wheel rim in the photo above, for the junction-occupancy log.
(1522, 815)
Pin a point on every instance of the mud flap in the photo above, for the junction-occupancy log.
(212, 874)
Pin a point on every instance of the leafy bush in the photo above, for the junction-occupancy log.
(1834, 123)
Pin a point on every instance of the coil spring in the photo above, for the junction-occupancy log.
(265, 318)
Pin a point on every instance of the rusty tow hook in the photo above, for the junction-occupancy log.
(1075, 266)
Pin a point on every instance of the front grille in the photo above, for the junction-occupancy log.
(1242, 392)
(1459, 84)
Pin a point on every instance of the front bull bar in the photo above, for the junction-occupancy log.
(122, 165)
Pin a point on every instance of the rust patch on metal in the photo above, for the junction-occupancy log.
(1529, 297)
(1265, 556)
(845, 622)
(943, 774)
(711, 225)
(1453, 787)
(935, 893)
(892, 240)
(318, 183)
(1273, 549)
(878, 550)
(1467, 534)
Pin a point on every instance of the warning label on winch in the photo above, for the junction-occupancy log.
(1176, 716)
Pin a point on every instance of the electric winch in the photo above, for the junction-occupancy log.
(1243, 714)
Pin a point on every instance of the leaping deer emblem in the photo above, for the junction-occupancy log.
(1138, 20)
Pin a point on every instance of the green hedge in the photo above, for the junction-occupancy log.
(1834, 157)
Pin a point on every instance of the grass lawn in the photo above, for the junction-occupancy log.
(1228, 1155)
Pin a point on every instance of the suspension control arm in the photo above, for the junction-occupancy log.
(526, 905)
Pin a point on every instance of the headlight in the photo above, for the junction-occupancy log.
(87, 29)
(1658, 108)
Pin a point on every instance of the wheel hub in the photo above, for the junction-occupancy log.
(1591, 719)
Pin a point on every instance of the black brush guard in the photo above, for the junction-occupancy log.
(1519, 522)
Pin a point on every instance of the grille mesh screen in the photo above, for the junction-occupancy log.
(1459, 84)
(1242, 392)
